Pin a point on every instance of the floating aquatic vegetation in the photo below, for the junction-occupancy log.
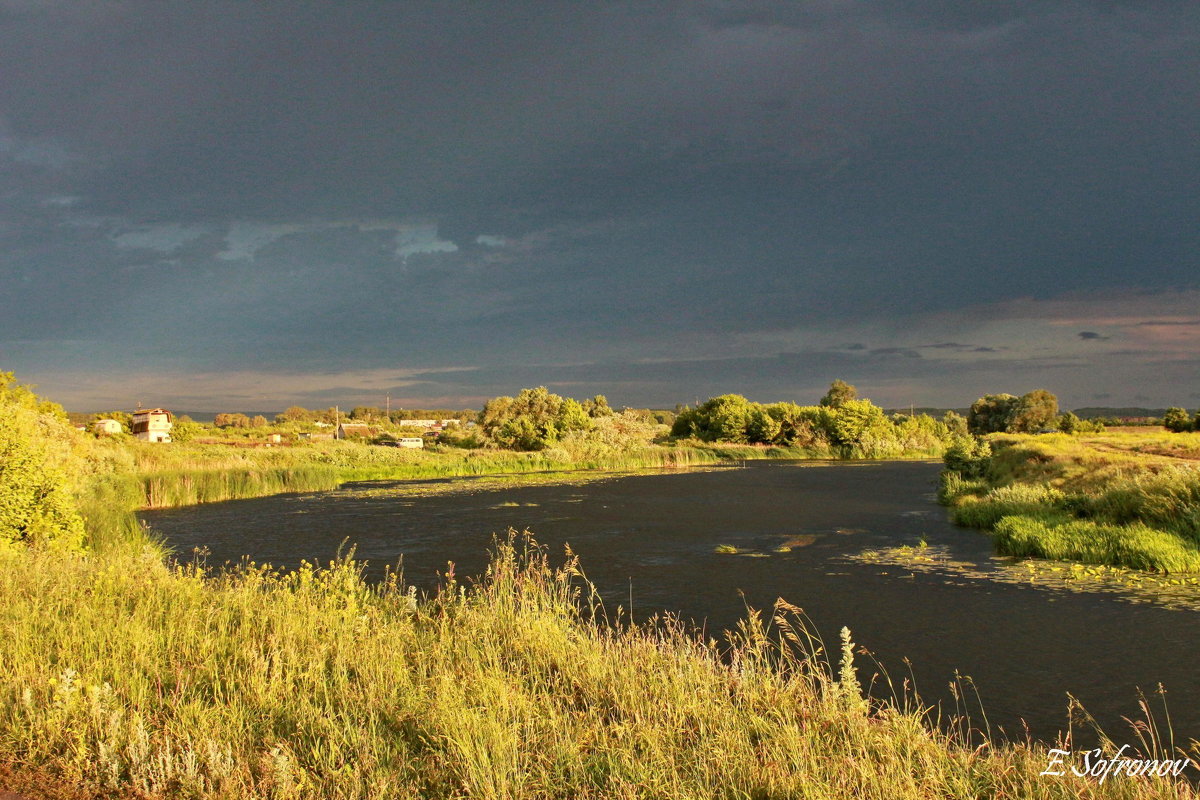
(799, 540)
(1134, 586)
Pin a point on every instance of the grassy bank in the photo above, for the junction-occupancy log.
(125, 476)
(124, 677)
(1124, 499)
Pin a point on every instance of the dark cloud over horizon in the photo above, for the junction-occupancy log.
(281, 187)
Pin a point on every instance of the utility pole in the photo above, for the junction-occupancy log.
(389, 406)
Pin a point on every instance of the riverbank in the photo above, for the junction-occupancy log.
(128, 476)
(1119, 499)
(127, 677)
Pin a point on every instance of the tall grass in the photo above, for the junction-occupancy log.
(1136, 546)
(127, 677)
(208, 476)
(1004, 501)
(1118, 499)
(1169, 499)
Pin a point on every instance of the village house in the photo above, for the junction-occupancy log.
(152, 424)
(107, 427)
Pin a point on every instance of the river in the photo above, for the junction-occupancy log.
(650, 540)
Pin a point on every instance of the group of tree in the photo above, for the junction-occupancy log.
(300, 416)
(1032, 412)
(237, 420)
(840, 423)
(1006, 413)
(537, 418)
(1178, 420)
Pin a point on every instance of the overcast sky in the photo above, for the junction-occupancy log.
(233, 205)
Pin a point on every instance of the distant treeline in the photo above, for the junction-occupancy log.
(370, 414)
(840, 425)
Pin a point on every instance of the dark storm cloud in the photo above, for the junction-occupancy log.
(233, 186)
(1092, 336)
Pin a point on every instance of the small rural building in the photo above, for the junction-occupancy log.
(107, 427)
(345, 430)
(152, 424)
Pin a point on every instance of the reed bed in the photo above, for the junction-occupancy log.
(126, 677)
(208, 473)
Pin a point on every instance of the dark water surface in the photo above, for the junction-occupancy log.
(1025, 647)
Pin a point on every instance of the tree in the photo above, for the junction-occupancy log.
(36, 462)
(226, 420)
(1177, 420)
(839, 394)
(1069, 423)
(532, 420)
(185, 429)
(853, 420)
(722, 419)
(802, 426)
(572, 417)
(294, 414)
(597, 407)
(761, 426)
(1032, 412)
(990, 414)
(956, 424)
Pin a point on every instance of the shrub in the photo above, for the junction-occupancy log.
(37, 505)
(968, 456)
(1177, 420)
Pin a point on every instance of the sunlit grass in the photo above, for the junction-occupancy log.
(126, 676)
(1124, 499)
(1136, 546)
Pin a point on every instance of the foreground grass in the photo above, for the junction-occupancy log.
(1129, 500)
(123, 677)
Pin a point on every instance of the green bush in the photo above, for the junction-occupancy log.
(37, 505)
(968, 456)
